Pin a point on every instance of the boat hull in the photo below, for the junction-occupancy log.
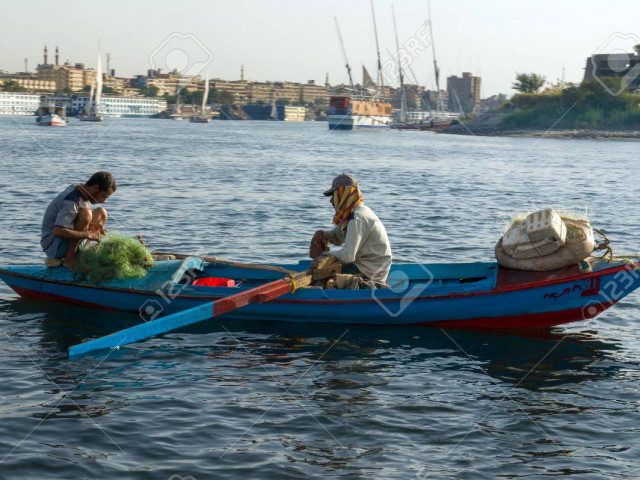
(51, 121)
(499, 299)
(358, 122)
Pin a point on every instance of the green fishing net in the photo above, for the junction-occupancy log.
(115, 257)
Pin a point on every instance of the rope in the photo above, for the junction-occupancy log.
(294, 287)
(608, 252)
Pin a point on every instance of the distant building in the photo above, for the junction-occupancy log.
(287, 113)
(67, 77)
(616, 65)
(171, 82)
(246, 92)
(464, 93)
(29, 81)
(431, 96)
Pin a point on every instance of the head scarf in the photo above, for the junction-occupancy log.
(345, 201)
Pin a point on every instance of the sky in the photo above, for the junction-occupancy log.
(287, 40)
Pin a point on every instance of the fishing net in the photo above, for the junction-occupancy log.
(116, 257)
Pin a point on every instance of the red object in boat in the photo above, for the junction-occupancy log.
(214, 282)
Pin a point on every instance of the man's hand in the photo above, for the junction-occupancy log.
(318, 245)
(97, 227)
(94, 235)
(323, 261)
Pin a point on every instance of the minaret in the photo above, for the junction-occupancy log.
(326, 80)
(57, 55)
(242, 73)
(26, 65)
(45, 54)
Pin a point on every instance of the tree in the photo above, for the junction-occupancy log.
(12, 86)
(150, 91)
(528, 82)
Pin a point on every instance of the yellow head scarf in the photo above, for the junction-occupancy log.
(345, 200)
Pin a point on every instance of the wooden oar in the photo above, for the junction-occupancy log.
(261, 294)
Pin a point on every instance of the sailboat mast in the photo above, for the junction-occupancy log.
(380, 80)
(403, 98)
(206, 92)
(435, 63)
(88, 109)
(344, 55)
(98, 82)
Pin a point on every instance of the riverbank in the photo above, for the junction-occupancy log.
(491, 124)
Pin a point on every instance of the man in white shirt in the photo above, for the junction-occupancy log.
(365, 245)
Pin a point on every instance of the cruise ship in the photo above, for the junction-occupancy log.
(18, 103)
(111, 106)
(123, 106)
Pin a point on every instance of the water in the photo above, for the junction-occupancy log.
(237, 400)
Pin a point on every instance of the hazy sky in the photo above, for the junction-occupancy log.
(297, 40)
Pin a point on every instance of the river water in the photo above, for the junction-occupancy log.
(235, 400)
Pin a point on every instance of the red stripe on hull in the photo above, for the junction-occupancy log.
(531, 320)
(26, 293)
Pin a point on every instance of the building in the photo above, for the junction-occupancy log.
(464, 93)
(237, 89)
(623, 66)
(29, 82)
(170, 82)
(312, 93)
(246, 92)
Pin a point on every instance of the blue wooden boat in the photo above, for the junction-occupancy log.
(445, 295)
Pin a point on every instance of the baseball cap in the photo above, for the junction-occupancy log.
(343, 180)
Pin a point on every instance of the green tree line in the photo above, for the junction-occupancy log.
(587, 105)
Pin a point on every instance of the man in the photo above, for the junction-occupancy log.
(365, 245)
(69, 221)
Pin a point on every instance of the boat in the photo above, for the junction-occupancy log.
(51, 115)
(92, 108)
(365, 109)
(203, 118)
(422, 119)
(358, 112)
(476, 295)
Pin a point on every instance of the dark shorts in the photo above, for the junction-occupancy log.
(351, 269)
(59, 247)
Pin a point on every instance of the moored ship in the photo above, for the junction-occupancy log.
(351, 113)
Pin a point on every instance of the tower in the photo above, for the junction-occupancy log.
(26, 65)
(45, 54)
(57, 56)
(326, 80)
(242, 73)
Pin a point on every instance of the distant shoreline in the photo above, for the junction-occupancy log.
(533, 133)
(489, 124)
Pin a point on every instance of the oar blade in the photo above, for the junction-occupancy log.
(145, 330)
